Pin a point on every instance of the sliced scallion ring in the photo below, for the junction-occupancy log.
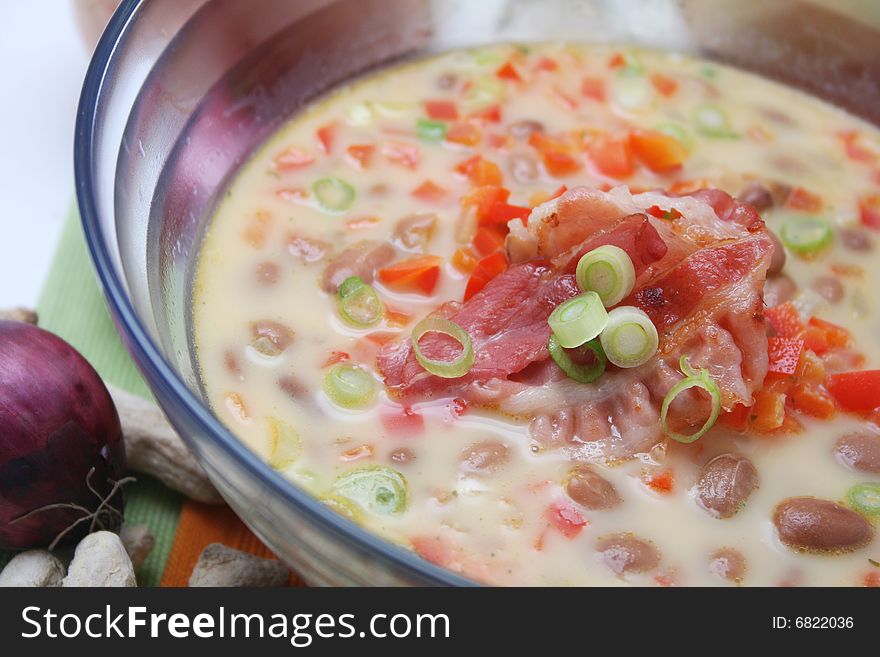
(349, 386)
(375, 488)
(712, 122)
(343, 506)
(431, 130)
(693, 379)
(448, 369)
(608, 271)
(578, 320)
(806, 234)
(359, 305)
(630, 338)
(580, 373)
(865, 498)
(334, 194)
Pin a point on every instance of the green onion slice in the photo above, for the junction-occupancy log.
(343, 506)
(806, 234)
(285, 444)
(448, 369)
(693, 379)
(431, 130)
(712, 122)
(630, 338)
(607, 271)
(578, 320)
(349, 386)
(631, 91)
(865, 498)
(580, 373)
(334, 194)
(375, 488)
(359, 304)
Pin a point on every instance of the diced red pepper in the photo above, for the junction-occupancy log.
(489, 114)
(737, 418)
(360, 223)
(483, 198)
(429, 192)
(502, 212)
(402, 421)
(657, 150)
(441, 110)
(418, 274)
(464, 259)
(464, 133)
(617, 60)
(869, 211)
(856, 392)
(768, 412)
(396, 318)
(480, 171)
(559, 192)
(801, 199)
(486, 269)
(854, 150)
(813, 400)
(612, 155)
(361, 154)
(665, 85)
(785, 320)
(457, 407)
(489, 239)
(563, 515)
(336, 357)
(399, 152)
(326, 136)
(560, 164)
(546, 64)
(662, 482)
(594, 88)
(293, 158)
(821, 336)
(784, 354)
(508, 72)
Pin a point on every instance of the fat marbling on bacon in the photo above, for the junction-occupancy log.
(700, 273)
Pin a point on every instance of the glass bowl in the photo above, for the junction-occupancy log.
(179, 92)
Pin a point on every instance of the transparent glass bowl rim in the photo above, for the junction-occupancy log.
(155, 366)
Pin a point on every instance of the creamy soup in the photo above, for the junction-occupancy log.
(460, 194)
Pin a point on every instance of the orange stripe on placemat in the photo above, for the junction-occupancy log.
(203, 524)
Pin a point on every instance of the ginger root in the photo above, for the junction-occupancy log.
(100, 559)
(38, 568)
(25, 315)
(220, 565)
(138, 541)
(153, 447)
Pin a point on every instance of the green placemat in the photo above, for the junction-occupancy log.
(71, 306)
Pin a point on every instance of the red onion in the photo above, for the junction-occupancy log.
(61, 449)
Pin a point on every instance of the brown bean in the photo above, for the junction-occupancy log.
(758, 196)
(828, 287)
(779, 289)
(415, 231)
(728, 564)
(725, 484)
(814, 525)
(485, 457)
(523, 167)
(447, 81)
(859, 451)
(403, 455)
(777, 260)
(270, 338)
(524, 129)
(855, 239)
(360, 259)
(306, 249)
(293, 387)
(626, 553)
(268, 273)
(590, 489)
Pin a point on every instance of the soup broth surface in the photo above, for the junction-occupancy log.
(482, 496)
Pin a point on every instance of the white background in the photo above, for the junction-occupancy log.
(42, 63)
